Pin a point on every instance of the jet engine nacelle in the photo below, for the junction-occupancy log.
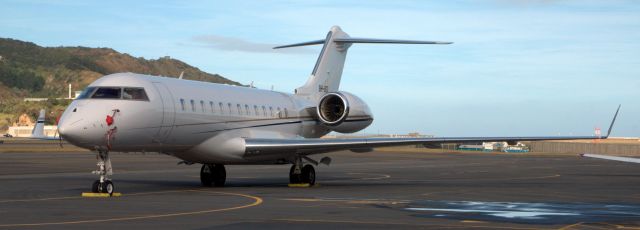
(343, 112)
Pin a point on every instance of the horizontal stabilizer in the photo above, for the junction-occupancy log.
(364, 40)
(387, 41)
(316, 42)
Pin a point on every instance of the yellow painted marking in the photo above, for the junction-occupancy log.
(95, 194)
(570, 226)
(472, 221)
(257, 201)
(299, 185)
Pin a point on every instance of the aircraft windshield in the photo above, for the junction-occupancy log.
(86, 93)
(134, 94)
(128, 93)
(107, 93)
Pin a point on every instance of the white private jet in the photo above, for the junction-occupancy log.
(217, 125)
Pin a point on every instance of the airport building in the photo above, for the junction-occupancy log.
(25, 131)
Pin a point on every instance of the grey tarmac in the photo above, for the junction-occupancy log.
(375, 190)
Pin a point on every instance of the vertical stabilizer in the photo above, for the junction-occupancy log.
(327, 72)
(38, 129)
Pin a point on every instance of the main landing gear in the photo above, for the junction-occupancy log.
(213, 174)
(104, 184)
(299, 174)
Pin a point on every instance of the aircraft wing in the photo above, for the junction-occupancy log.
(262, 146)
(613, 158)
(306, 146)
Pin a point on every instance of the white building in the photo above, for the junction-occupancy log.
(25, 131)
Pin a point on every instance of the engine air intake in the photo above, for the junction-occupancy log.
(333, 109)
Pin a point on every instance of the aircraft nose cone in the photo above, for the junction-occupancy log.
(68, 130)
(61, 129)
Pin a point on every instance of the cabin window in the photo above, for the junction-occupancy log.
(239, 109)
(107, 93)
(211, 105)
(202, 105)
(134, 94)
(221, 108)
(279, 113)
(229, 105)
(246, 109)
(255, 107)
(193, 105)
(86, 93)
(286, 113)
(271, 111)
(264, 111)
(182, 103)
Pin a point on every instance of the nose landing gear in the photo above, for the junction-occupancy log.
(104, 184)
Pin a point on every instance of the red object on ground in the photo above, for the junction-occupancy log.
(109, 120)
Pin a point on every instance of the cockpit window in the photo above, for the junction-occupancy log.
(134, 94)
(86, 93)
(107, 93)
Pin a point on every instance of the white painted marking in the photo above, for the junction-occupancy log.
(505, 214)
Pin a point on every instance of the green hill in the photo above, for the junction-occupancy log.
(29, 70)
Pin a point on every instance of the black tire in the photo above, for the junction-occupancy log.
(108, 187)
(206, 175)
(294, 178)
(219, 175)
(308, 175)
(95, 188)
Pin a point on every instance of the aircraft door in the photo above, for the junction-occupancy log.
(168, 113)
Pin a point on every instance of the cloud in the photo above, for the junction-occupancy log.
(238, 44)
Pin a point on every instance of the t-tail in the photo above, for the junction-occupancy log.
(38, 129)
(327, 72)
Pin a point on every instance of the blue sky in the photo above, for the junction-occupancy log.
(517, 67)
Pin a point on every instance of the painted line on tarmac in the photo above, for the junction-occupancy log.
(80, 197)
(256, 201)
(349, 200)
(438, 226)
(379, 177)
(488, 179)
(375, 176)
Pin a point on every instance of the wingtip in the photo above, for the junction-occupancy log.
(613, 121)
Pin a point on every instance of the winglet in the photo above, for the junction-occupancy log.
(612, 122)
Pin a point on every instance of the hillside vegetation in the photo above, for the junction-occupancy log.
(29, 70)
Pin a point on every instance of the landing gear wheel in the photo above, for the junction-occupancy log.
(220, 175)
(206, 175)
(107, 187)
(293, 177)
(308, 175)
(96, 186)
(213, 174)
(104, 184)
